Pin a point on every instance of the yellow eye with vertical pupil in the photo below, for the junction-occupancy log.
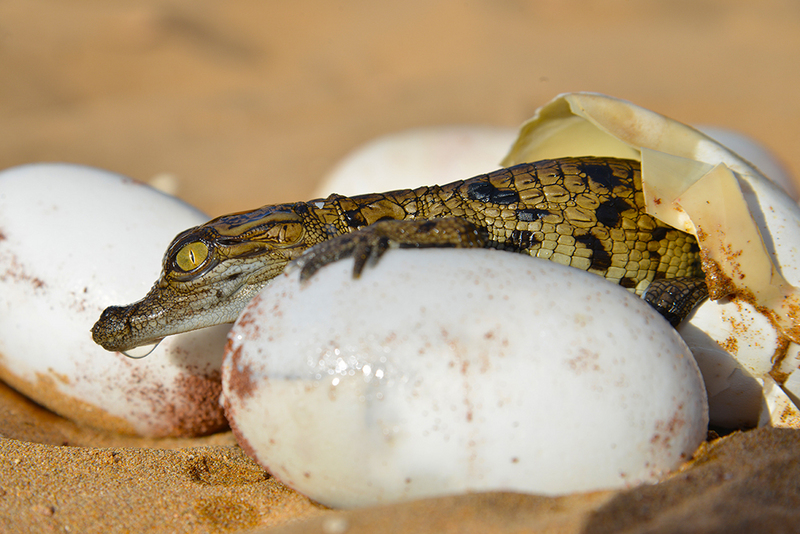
(191, 256)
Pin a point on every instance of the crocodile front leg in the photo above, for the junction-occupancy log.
(368, 244)
(673, 298)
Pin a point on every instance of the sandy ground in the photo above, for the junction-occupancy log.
(257, 100)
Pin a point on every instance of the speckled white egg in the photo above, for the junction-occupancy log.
(74, 240)
(449, 371)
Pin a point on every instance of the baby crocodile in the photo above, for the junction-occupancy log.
(584, 212)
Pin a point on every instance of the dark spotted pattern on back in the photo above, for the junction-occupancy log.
(610, 211)
(601, 259)
(530, 215)
(659, 233)
(354, 219)
(627, 283)
(603, 175)
(489, 194)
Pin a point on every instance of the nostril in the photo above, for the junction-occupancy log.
(112, 322)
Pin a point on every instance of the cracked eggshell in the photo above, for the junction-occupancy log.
(751, 232)
(736, 347)
(448, 371)
(74, 240)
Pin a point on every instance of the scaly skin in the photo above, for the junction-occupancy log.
(583, 212)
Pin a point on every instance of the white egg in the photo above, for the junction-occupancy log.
(756, 154)
(74, 240)
(448, 371)
(420, 156)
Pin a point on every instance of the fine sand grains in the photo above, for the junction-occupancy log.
(201, 489)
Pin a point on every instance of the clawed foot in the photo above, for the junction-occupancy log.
(675, 298)
(367, 245)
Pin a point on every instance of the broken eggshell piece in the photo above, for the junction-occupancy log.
(520, 375)
(747, 227)
(74, 240)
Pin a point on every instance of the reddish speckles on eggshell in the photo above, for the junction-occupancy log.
(239, 375)
(16, 271)
(200, 412)
(230, 414)
(585, 361)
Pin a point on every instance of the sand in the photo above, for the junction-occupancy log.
(76, 480)
(236, 101)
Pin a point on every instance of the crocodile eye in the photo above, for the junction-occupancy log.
(191, 256)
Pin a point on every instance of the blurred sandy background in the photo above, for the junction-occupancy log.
(251, 102)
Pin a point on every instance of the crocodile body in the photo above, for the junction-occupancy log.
(584, 212)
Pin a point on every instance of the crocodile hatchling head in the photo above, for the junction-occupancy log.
(208, 276)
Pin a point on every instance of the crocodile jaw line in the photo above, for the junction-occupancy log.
(165, 311)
